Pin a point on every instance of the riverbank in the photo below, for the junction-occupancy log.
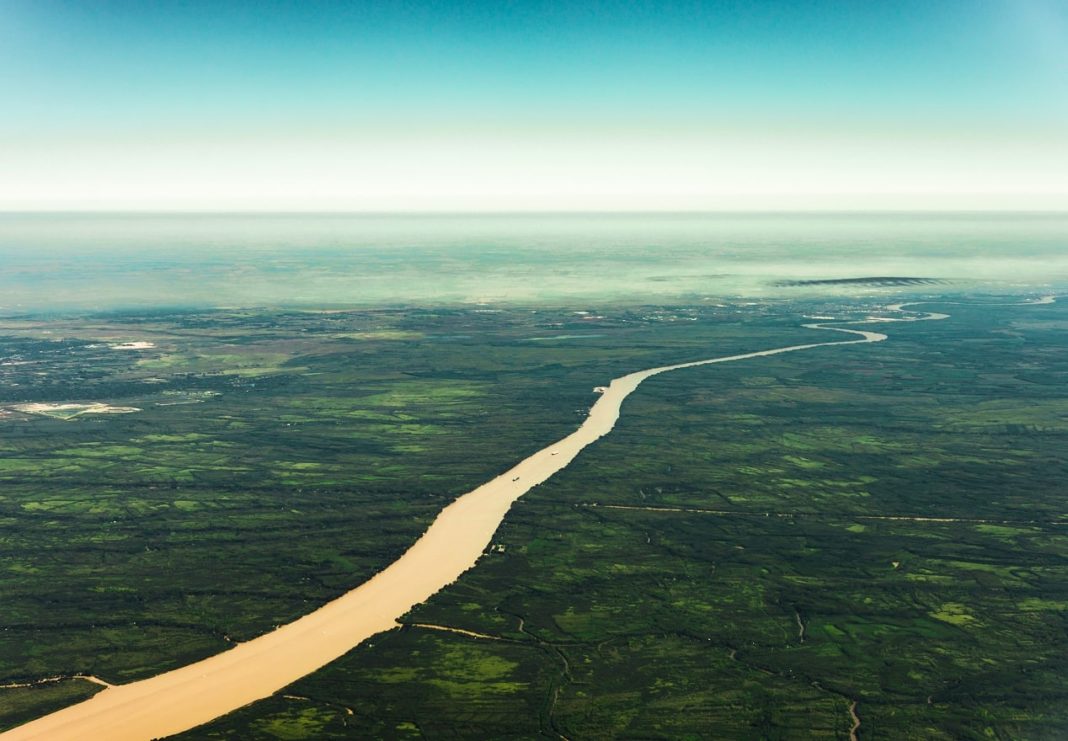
(187, 697)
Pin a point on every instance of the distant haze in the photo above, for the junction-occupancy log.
(108, 261)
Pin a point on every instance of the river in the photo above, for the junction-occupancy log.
(195, 694)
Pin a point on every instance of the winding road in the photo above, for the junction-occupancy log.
(195, 694)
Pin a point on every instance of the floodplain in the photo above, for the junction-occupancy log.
(275, 462)
(865, 545)
(869, 542)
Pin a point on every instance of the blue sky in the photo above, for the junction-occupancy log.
(515, 105)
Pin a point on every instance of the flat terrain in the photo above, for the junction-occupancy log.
(267, 462)
(872, 543)
(867, 542)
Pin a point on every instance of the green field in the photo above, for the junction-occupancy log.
(762, 549)
(275, 462)
(876, 527)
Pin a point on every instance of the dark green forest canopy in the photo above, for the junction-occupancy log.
(754, 549)
(276, 460)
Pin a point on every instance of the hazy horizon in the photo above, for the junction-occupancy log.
(91, 261)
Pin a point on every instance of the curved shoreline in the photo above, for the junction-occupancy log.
(197, 693)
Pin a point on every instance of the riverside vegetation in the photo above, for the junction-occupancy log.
(275, 460)
(870, 543)
(867, 543)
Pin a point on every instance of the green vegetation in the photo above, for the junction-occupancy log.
(20, 703)
(760, 550)
(275, 462)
